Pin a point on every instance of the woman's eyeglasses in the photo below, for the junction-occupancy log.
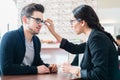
(38, 20)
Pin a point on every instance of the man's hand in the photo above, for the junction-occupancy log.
(53, 68)
(43, 69)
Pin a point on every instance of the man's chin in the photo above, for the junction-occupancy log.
(36, 33)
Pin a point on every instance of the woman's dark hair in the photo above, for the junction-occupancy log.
(30, 8)
(86, 13)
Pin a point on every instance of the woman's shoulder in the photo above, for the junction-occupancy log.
(99, 37)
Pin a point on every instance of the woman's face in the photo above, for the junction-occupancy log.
(77, 26)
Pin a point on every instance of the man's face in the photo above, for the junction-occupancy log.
(118, 41)
(34, 22)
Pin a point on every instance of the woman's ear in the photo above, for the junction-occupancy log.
(83, 23)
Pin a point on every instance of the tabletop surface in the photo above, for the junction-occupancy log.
(55, 76)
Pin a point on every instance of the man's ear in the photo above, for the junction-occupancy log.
(25, 19)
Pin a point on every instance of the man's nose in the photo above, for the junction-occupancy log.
(40, 24)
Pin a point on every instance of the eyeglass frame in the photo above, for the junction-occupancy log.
(71, 21)
(38, 20)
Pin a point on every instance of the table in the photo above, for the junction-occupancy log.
(57, 76)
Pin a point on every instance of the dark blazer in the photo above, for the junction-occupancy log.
(12, 51)
(75, 61)
(119, 50)
(100, 60)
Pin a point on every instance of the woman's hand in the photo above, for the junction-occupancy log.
(49, 23)
(67, 68)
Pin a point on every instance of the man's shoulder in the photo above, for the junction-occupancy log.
(10, 34)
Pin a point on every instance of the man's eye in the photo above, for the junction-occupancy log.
(38, 19)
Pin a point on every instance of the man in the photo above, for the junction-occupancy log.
(118, 42)
(20, 48)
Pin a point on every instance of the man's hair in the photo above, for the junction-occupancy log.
(118, 37)
(30, 8)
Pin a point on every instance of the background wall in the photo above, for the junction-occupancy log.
(108, 12)
(60, 11)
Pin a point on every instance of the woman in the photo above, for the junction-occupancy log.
(100, 60)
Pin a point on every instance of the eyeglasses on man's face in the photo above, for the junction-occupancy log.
(73, 20)
(38, 20)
